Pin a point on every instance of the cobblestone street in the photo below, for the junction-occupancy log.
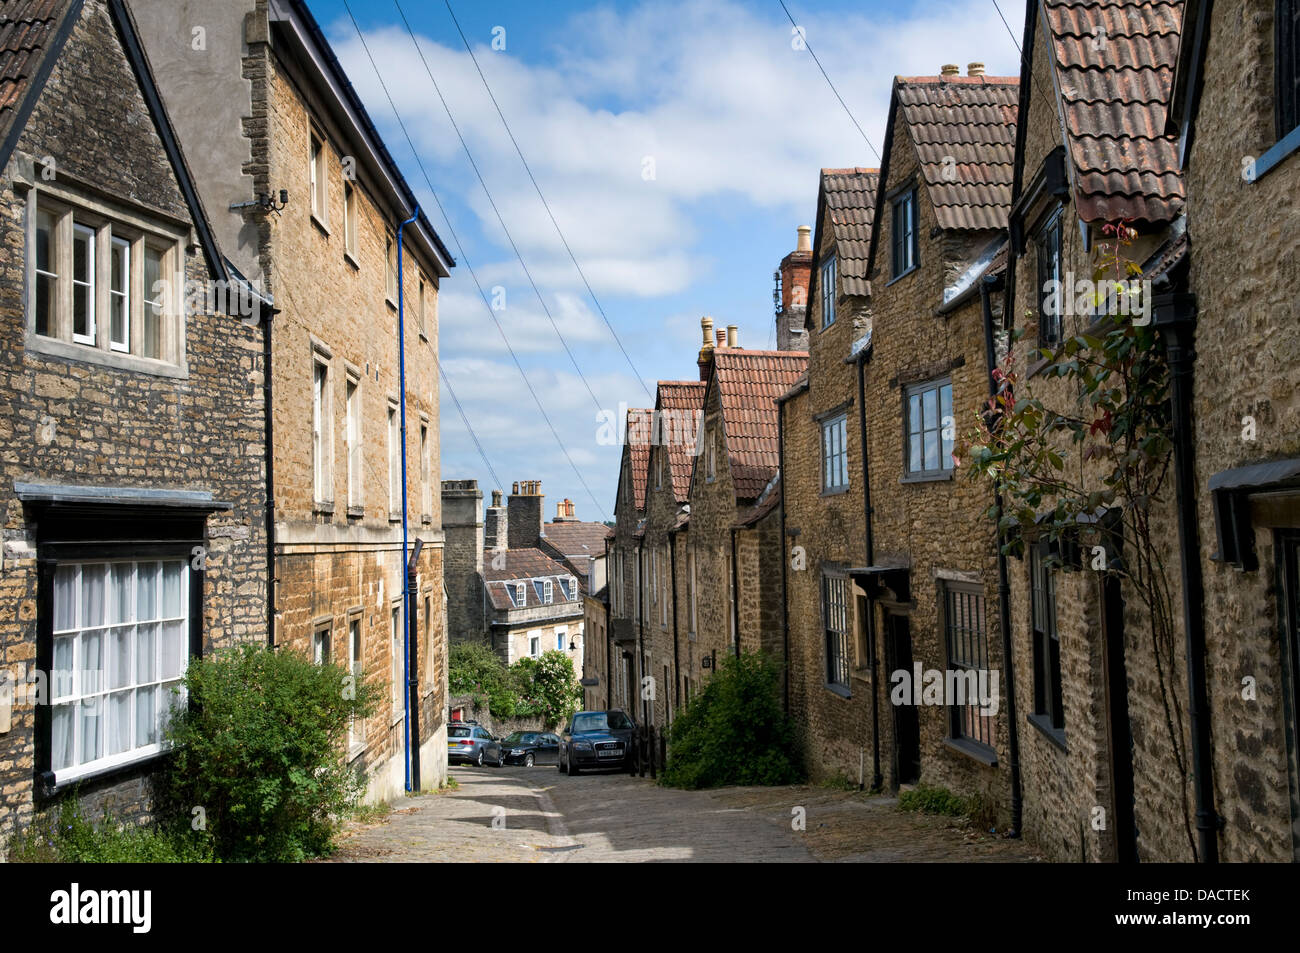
(543, 816)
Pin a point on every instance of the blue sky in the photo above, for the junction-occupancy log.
(737, 122)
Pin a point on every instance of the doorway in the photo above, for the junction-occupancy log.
(1123, 817)
(907, 724)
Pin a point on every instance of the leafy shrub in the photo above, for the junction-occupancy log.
(66, 836)
(734, 731)
(260, 749)
(545, 687)
(925, 799)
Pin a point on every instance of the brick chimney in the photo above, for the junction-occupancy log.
(495, 527)
(706, 351)
(791, 295)
(524, 514)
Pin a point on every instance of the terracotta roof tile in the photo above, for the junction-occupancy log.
(964, 132)
(26, 29)
(1114, 63)
(749, 382)
(686, 400)
(526, 565)
(638, 436)
(851, 202)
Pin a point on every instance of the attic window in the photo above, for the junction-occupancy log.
(1048, 248)
(904, 241)
(827, 280)
(518, 594)
(545, 590)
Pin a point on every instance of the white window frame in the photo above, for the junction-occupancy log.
(396, 649)
(350, 220)
(390, 268)
(117, 242)
(322, 433)
(426, 500)
(352, 434)
(81, 686)
(534, 643)
(318, 180)
(394, 461)
(561, 638)
(90, 284)
(320, 646)
(356, 728)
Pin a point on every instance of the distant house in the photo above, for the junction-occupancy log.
(535, 605)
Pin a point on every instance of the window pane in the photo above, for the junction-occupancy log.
(61, 737)
(146, 724)
(44, 295)
(81, 253)
(914, 453)
(91, 741)
(914, 414)
(929, 409)
(947, 424)
(147, 592)
(44, 240)
(65, 598)
(92, 663)
(171, 607)
(61, 678)
(120, 722)
(173, 649)
(151, 336)
(92, 595)
(119, 657)
(146, 653)
(931, 450)
(120, 593)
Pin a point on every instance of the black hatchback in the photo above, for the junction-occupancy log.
(530, 747)
(598, 739)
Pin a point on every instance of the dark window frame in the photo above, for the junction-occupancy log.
(836, 640)
(905, 257)
(1049, 258)
(1049, 711)
(831, 453)
(828, 289)
(966, 648)
(1286, 66)
(919, 389)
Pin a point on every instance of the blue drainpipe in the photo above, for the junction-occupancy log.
(406, 622)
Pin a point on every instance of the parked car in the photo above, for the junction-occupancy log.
(531, 747)
(470, 743)
(599, 739)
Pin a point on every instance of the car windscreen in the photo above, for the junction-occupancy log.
(458, 732)
(514, 738)
(601, 721)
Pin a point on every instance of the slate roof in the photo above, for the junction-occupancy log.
(27, 34)
(575, 538)
(850, 196)
(682, 398)
(1114, 99)
(525, 565)
(749, 382)
(638, 437)
(964, 131)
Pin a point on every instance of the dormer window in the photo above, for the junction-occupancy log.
(827, 280)
(518, 594)
(545, 590)
(904, 241)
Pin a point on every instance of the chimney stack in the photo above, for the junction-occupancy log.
(950, 69)
(525, 515)
(975, 69)
(706, 351)
(791, 295)
(733, 335)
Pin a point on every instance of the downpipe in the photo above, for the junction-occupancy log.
(412, 703)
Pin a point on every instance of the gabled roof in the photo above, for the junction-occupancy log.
(749, 382)
(686, 400)
(849, 196)
(1114, 100)
(963, 129)
(637, 438)
(32, 37)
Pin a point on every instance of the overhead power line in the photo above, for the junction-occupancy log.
(464, 259)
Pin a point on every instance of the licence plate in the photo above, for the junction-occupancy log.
(609, 753)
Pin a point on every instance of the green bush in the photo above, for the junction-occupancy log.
(545, 687)
(934, 800)
(65, 836)
(260, 750)
(734, 731)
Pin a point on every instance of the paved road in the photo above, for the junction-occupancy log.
(538, 815)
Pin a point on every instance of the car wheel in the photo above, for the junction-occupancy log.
(501, 759)
(573, 768)
(529, 760)
(479, 761)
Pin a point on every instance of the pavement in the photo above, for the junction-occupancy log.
(538, 815)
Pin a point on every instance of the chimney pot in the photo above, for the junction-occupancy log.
(722, 337)
(733, 335)
(706, 325)
(805, 238)
(515, 491)
(950, 69)
(975, 69)
(496, 497)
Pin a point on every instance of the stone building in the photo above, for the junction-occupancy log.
(669, 653)
(534, 605)
(626, 566)
(462, 565)
(1101, 687)
(822, 492)
(931, 591)
(133, 491)
(733, 553)
(307, 202)
(1235, 99)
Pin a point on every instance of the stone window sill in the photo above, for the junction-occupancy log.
(841, 690)
(356, 512)
(119, 360)
(1055, 735)
(320, 224)
(394, 517)
(927, 477)
(902, 274)
(347, 256)
(325, 507)
(974, 749)
(836, 491)
(426, 519)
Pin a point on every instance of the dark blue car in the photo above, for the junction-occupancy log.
(599, 739)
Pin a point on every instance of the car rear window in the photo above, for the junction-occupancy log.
(458, 732)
